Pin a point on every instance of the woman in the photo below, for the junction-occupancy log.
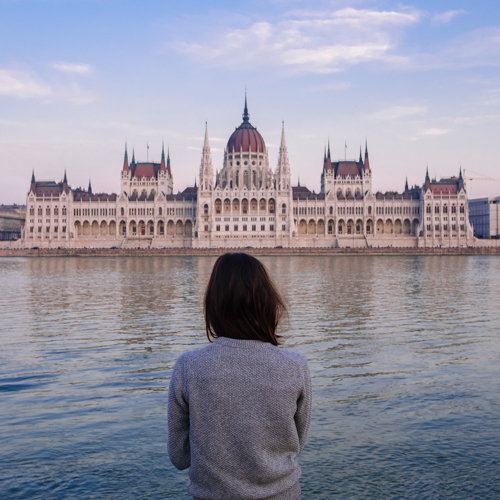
(239, 408)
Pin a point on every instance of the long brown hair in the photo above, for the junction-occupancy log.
(241, 301)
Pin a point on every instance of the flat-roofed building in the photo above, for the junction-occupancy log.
(484, 215)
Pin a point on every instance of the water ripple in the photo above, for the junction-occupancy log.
(404, 354)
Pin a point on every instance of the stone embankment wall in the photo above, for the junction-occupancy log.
(254, 251)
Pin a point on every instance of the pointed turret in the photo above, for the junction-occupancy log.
(169, 171)
(125, 160)
(162, 164)
(283, 169)
(33, 182)
(327, 164)
(206, 169)
(90, 187)
(65, 180)
(246, 116)
(461, 183)
(360, 155)
(406, 184)
(367, 161)
(427, 178)
(329, 157)
(133, 156)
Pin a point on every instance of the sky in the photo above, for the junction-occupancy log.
(420, 82)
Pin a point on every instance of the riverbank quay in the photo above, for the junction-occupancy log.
(148, 252)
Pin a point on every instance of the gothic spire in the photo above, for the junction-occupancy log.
(328, 156)
(133, 155)
(168, 161)
(90, 187)
(33, 177)
(460, 176)
(125, 160)
(283, 141)
(162, 164)
(367, 161)
(427, 178)
(65, 180)
(360, 155)
(246, 116)
(406, 184)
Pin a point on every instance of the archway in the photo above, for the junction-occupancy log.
(302, 227)
(380, 226)
(331, 226)
(188, 228)
(142, 228)
(170, 228)
(123, 228)
(369, 226)
(95, 228)
(151, 228)
(406, 226)
(388, 226)
(398, 227)
(104, 228)
(179, 227)
(78, 228)
(132, 228)
(160, 228)
(320, 229)
(359, 226)
(341, 229)
(112, 228)
(350, 226)
(311, 227)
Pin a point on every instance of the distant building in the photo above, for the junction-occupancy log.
(12, 219)
(484, 215)
(248, 204)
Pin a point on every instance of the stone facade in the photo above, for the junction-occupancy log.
(248, 204)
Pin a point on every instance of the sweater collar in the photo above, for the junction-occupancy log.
(240, 343)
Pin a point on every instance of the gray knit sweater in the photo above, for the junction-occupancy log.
(238, 414)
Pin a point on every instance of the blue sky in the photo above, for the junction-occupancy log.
(420, 81)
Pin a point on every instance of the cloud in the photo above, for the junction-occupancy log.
(436, 131)
(396, 112)
(308, 41)
(75, 94)
(21, 85)
(446, 17)
(72, 68)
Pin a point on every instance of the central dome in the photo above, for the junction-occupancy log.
(246, 137)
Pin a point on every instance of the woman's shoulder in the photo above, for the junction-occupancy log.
(291, 356)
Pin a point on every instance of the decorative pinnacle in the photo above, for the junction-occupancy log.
(65, 180)
(246, 116)
(162, 150)
(33, 177)
(126, 154)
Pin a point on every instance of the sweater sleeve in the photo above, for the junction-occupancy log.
(304, 404)
(179, 449)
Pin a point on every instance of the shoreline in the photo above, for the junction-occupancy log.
(149, 252)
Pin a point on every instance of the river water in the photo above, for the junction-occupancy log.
(404, 354)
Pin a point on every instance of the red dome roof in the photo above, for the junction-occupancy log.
(246, 136)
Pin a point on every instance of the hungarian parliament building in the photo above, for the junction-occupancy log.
(247, 204)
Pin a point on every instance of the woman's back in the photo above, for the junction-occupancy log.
(238, 416)
(239, 409)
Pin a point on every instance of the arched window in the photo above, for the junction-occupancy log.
(436, 209)
(64, 211)
(205, 209)
(428, 209)
(453, 209)
(122, 211)
(218, 206)
(445, 209)
(160, 211)
(331, 210)
(56, 210)
(283, 208)
(254, 178)
(32, 210)
(237, 179)
(462, 208)
(40, 211)
(47, 211)
(370, 210)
